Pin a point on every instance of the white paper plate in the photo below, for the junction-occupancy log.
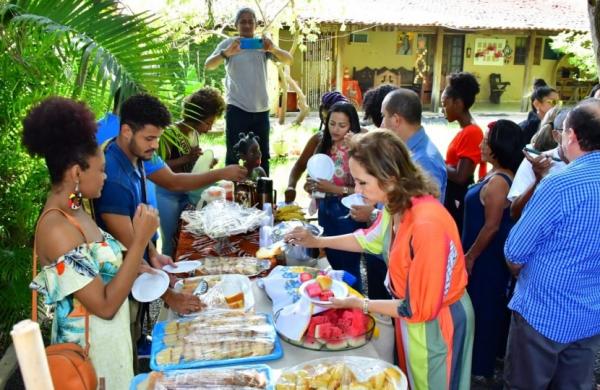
(320, 166)
(340, 290)
(203, 162)
(182, 267)
(353, 200)
(149, 287)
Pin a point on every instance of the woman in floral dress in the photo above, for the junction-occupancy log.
(83, 271)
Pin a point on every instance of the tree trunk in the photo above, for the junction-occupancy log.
(594, 14)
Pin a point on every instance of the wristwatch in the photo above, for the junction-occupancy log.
(365, 307)
(345, 190)
(222, 54)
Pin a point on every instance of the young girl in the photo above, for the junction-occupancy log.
(248, 150)
(333, 216)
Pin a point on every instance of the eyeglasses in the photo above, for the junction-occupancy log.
(553, 102)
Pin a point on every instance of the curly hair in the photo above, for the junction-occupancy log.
(243, 145)
(463, 86)
(203, 104)
(143, 109)
(63, 132)
(373, 100)
(504, 140)
(345, 108)
(383, 155)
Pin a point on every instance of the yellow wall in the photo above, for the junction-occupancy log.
(510, 72)
(380, 51)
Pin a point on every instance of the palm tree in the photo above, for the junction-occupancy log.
(84, 49)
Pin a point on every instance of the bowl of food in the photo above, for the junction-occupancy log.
(336, 330)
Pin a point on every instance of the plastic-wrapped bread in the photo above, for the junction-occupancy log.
(216, 335)
(221, 378)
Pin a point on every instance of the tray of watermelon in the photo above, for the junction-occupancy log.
(336, 330)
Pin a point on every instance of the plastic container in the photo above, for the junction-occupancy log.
(343, 372)
(214, 338)
(255, 376)
(345, 341)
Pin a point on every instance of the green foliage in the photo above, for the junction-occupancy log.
(580, 51)
(84, 49)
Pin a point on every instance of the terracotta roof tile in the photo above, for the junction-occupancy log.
(551, 15)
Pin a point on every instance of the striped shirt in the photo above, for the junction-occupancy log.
(557, 240)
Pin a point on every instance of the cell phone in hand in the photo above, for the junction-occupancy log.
(251, 43)
(536, 152)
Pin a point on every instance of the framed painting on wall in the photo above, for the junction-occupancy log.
(489, 51)
(404, 44)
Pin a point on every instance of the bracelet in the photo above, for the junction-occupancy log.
(222, 54)
(365, 306)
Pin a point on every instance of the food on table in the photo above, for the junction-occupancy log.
(232, 265)
(222, 378)
(337, 329)
(216, 335)
(235, 301)
(221, 219)
(304, 276)
(190, 284)
(349, 373)
(288, 213)
(320, 289)
(269, 252)
(217, 291)
(325, 282)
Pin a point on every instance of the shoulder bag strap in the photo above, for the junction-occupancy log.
(34, 294)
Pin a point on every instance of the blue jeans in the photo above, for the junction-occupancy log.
(331, 212)
(170, 206)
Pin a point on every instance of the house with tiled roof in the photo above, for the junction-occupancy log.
(416, 43)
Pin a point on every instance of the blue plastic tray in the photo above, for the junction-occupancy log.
(158, 345)
(259, 367)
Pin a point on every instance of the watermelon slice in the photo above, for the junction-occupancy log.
(313, 290)
(304, 276)
(323, 331)
(336, 340)
(325, 295)
(312, 343)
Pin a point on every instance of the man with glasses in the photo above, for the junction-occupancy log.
(555, 249)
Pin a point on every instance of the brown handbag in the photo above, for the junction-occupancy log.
(70, 365)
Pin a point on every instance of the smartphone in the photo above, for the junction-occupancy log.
(537, 153)
(251, 43)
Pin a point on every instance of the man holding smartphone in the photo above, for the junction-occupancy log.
(245, 58)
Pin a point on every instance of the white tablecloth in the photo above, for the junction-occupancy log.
(379, 348)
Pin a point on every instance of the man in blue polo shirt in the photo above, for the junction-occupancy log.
(143, 119)
(158, 172)
(555, 247)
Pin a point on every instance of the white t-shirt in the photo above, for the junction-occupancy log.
(525, 177)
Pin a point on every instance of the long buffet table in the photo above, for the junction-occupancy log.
(193, 247)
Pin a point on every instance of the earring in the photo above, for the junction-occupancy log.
(75, 198)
